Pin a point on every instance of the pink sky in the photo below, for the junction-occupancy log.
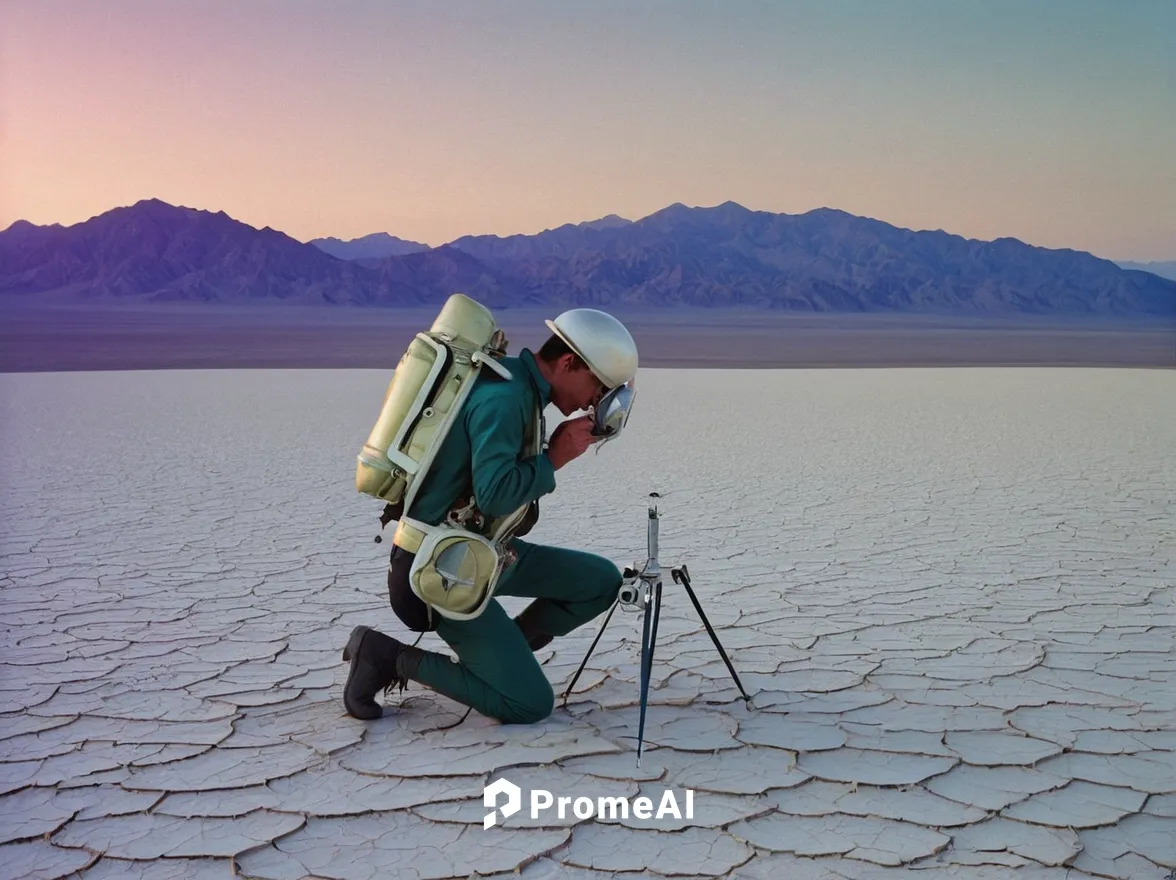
(1052, 123)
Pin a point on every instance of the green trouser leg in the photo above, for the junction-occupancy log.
(496, 671)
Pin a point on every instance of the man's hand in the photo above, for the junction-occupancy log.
(570, 440)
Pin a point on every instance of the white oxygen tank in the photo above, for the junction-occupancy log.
(427, 385)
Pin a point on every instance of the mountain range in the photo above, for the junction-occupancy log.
(370, 247)
(824, 260)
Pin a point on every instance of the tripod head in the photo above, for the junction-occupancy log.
(638, 581)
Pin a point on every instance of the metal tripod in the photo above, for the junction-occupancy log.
(642, 588)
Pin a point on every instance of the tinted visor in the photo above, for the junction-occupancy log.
(613, 410)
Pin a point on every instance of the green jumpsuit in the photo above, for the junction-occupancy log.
(496, 671)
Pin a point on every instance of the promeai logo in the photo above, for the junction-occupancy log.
(581, 807)
(514, 801)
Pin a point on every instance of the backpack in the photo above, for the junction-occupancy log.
(425, 394)
(456, 569)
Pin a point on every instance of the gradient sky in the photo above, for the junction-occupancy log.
(1053, 122)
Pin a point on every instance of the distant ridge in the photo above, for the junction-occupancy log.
(1163, 268)
(370, 247)
(824, 260)
(612, 221)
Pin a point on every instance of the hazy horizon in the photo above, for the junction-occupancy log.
(1050, 124)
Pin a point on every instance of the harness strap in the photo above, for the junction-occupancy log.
(411, 533)
(409, 536)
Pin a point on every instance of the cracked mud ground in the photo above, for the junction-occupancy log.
(950, 594)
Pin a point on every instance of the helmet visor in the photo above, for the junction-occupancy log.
(612, 413)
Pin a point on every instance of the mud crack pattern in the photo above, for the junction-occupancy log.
(950, 593)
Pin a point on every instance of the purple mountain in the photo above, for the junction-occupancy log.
(370, 247)
(155, 251)
(824, 260)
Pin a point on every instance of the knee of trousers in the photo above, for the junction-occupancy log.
(533, 706)
(604, 575)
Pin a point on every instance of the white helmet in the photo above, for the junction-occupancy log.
(601, 341)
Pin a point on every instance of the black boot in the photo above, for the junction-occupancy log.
(536, 638)
(373, 657)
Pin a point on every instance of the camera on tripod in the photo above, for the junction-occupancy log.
(641, 587)
(637, 582)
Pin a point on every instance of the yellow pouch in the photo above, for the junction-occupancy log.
(455, 571)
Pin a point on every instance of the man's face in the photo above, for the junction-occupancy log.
(575, 387)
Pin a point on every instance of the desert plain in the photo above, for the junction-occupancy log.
(949, 592)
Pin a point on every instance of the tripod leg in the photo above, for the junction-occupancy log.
(591, 648)
(649, 641)
(682, 576)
